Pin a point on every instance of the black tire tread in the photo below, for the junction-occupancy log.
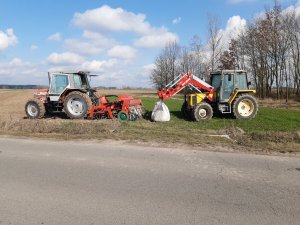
(197, 108)
(41, 106)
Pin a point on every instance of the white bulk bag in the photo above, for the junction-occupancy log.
(160, 112)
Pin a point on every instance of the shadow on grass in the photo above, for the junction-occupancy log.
(177, 114)
(217, 115)
(147, 115)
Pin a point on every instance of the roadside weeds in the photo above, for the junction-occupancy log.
(149, 133)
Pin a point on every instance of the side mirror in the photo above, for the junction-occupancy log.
(249, 83)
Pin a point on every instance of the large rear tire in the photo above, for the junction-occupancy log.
(203, 112)
(77, 105)
(35, 109)
(245, 107)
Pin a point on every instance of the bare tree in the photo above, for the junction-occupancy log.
(165, 65)
(214, 41)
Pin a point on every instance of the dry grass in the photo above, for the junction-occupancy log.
(291, 104)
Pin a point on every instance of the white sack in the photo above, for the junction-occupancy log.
(160, 112)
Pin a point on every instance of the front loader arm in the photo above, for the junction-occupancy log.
(182, 81)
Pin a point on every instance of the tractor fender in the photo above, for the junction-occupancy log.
(66, 92)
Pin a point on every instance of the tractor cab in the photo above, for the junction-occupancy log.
(232, 94)
(62, 82)
(227, 82)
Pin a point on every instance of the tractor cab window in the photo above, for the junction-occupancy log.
(241, 81)
(216, 82)
(58, 83)
(80, 81)
(77, 81)
(228, 86)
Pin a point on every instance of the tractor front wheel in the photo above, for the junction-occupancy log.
(245, 107)
(77, 105)
(35, 109)
(203, 112)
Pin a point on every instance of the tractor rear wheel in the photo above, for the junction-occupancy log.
(34, 109)
(203, 112)
(184, 111)
(245, 107)
(77, 105)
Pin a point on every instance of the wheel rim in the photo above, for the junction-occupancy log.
(122, 116)
(76, 106)
(245, 108)
(32, 110)
(202, 113)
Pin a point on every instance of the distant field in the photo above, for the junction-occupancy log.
(274, 129)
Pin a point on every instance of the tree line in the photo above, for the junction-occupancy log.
(268, 48)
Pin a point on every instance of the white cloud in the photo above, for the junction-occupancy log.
(17, 71)
(98, 66)
(122, 52)
(81, 47)
(98, 38)
(106, 19)
(235, 26)
(293, 9)
(176, 20)
(89, 44)
(149, 67)
(7, 38)
(33, 47)
(65, 58)
(55, 37)
(156, 40)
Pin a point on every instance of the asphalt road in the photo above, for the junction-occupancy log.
(55, 182)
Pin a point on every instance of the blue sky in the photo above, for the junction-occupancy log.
(118, 40)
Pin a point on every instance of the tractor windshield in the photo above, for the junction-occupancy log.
(216, 83)
(58, 83)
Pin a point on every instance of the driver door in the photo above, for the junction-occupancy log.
(59, 82)
(227, 87)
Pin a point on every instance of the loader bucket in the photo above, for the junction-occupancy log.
(160, 112)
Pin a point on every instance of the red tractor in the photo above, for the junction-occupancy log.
(71, 93)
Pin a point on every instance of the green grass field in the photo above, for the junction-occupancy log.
(268, 119)
(272, 130)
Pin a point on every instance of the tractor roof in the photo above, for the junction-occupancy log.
(73, 72)
(228, 71)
